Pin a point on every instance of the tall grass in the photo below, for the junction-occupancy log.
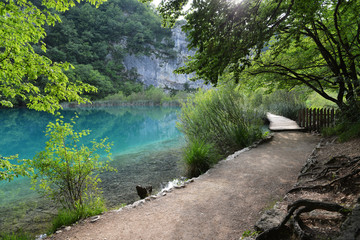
(66, 217)
(17, 236)
(199, 157)
(220, 118)
(281, 102)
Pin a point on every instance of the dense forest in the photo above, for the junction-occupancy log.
(95, 40)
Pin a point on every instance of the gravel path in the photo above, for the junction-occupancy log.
(221, 204)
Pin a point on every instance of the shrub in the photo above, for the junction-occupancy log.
(199, 157)
(215, 123)
(116, 97)
(220, 117)
(345, 131)
(67, 171)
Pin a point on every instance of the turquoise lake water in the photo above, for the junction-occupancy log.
(146, 150)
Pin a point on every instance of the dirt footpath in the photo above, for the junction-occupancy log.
(221, 204)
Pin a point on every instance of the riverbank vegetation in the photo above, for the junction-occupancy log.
(67, 173)
(216, 123)
(284, 47)
(156, 96)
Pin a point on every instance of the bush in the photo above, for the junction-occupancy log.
(67, 171)
(345, 131)
(116, 97)
(199, 157)
(220, 117)
(216, 122)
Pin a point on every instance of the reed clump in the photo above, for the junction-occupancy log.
(218, 119)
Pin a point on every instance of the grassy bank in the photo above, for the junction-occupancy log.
(217, 123)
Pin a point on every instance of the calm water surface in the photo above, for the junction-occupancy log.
(146, 150)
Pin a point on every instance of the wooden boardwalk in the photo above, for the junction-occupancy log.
(280, 123)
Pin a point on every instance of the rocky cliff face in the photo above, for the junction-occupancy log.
(158, 71)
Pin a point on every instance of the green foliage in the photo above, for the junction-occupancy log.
(87, 74)
(66, 171)
(279, 44)
(66, 217)
(250, 233)
(199, 157)
(9, 171)
(280, 102)
(150, 95)
(215, 123)
(95, 41)
(26, 75)
(316, 101)
(221, 117)
(17, 236)
(344, 130)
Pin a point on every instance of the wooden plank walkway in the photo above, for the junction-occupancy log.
(280, 123)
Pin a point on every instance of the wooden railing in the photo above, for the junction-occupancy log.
(315, 119)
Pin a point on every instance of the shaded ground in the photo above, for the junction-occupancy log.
(331, 175)
(221, 204)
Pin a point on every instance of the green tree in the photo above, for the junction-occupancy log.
(8, 170)
(87, 74)
(22, 27)
(25, 74)
(67, 171)
(284, 42)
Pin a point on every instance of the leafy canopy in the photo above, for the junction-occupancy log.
(8, 170)
(279, 43)
(22, 27)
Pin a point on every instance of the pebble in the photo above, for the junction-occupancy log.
(94, 219)
(68, 228)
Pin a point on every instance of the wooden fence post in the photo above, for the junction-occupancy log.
(332, 117)
(321, 118)
(316, 118)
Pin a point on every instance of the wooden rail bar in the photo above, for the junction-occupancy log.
(315, 119)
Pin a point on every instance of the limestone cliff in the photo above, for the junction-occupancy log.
(157, 68)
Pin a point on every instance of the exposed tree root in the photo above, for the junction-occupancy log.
(325, 186)
(351, 165)
(299, 228)
(292, 224)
